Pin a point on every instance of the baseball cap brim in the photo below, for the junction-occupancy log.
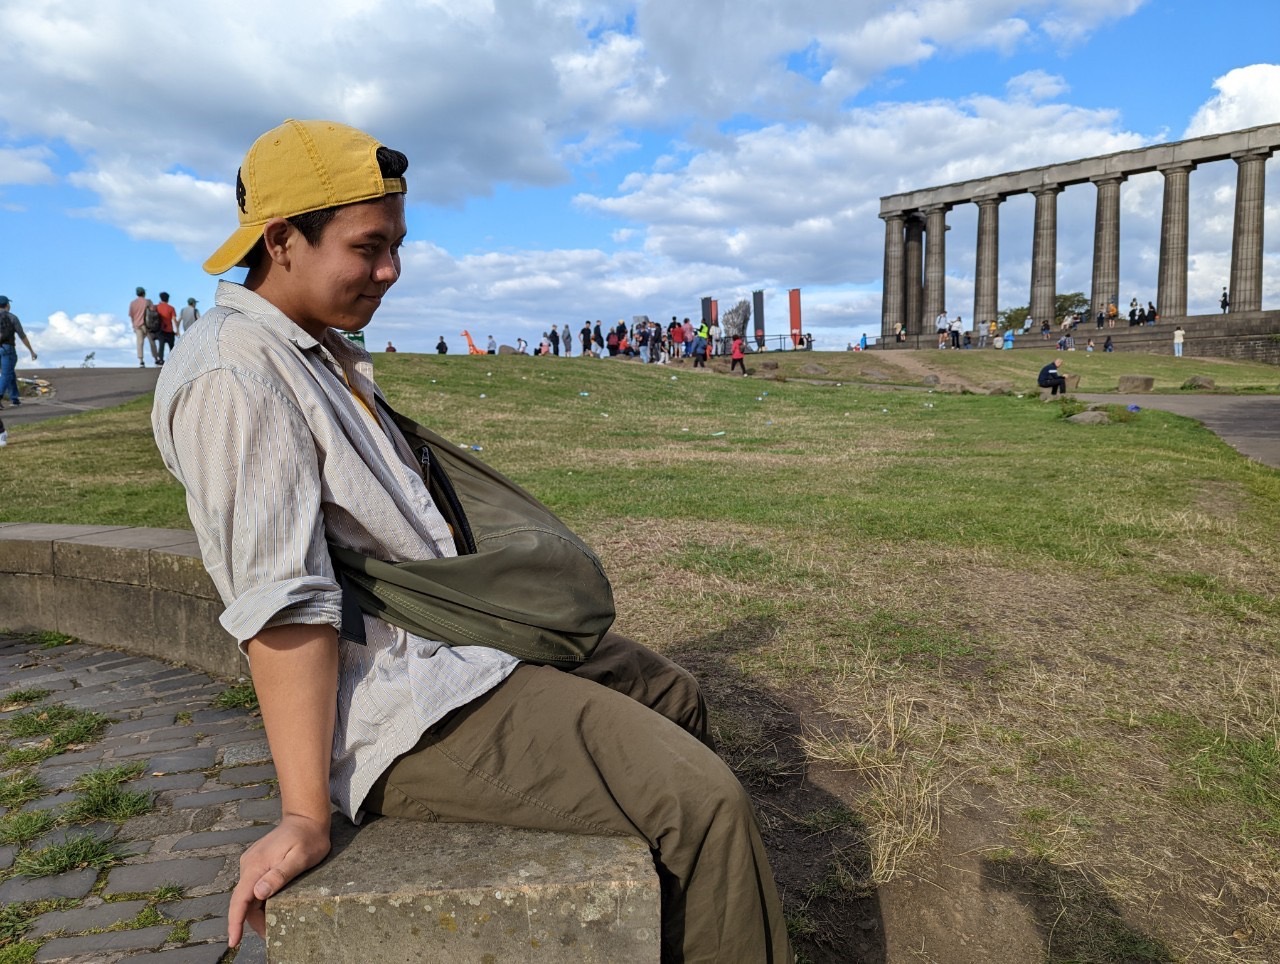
(233, 251)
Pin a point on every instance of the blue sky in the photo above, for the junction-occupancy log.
(597, 159)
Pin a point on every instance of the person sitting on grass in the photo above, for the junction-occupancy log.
(1051, 378)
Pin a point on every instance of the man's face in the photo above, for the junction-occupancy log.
(339, 283)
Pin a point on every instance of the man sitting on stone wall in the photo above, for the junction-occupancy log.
(272, 421)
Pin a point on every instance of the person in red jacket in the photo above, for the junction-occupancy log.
(738, 355)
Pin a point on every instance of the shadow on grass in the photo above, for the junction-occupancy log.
(1075, 915)
(817, 844)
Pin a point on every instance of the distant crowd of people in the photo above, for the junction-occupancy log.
(157, 324)
(647, 340)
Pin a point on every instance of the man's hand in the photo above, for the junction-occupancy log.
(295, 672)
(297, 844)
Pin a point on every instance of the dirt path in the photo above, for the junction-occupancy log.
(916, 366)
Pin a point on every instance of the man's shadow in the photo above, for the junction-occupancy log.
(817, 844)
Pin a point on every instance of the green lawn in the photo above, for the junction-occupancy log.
(1070, 628)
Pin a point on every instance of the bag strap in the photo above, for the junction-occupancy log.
(442, 492)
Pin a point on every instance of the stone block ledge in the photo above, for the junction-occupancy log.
(391, 890)
(402, 891)
(144, 591)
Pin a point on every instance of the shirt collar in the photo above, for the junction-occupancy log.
(240, 298)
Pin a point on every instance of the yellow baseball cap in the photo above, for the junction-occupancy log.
(297, 167)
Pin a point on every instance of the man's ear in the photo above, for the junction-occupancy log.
(278, 237)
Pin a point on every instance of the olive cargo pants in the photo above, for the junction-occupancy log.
(585, 752)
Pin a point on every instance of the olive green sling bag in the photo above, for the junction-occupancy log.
(522, 582)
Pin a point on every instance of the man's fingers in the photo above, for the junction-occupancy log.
(241, 901)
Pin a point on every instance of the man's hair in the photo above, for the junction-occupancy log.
(311, 224)
(141, 291)
(164, 296)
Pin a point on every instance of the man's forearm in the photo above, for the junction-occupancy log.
(295, 673)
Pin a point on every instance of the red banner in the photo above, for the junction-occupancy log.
(795, 317)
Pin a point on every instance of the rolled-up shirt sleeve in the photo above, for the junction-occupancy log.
(251, 469)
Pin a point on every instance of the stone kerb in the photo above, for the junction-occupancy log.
(448, 893)
(392, 890)
(141, 590)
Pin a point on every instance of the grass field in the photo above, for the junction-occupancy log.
(956, 614)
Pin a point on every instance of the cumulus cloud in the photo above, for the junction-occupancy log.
(483, 94)
(1246, 97)
(783, 204)
(91, 330)
(65, 340)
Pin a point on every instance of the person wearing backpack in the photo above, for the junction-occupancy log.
(143, 316)
(10, 333)
(168, 316)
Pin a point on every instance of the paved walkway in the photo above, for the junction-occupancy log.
(207, 772)
(79, 390)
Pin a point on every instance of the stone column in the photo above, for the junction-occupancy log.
(986, 292)
(891, 307)
(915, 273)
(1171, 282)
(935, 261)
(1246, 238)
(1106, 242)
(1044, 253)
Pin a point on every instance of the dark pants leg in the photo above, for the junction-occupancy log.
(585, 752)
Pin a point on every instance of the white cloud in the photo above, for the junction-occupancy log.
(66, 340)
(194, 216)
(1070, 21)
(25, 165)
(482, 94)
(1247, 97)
(783, 204)
(1036, 86)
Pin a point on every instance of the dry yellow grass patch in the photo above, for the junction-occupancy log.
(1054, 700)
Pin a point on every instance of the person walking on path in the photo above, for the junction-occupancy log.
(10, 334)
(738, 356)
(188, 316)
(1178, 335)
(138, 309)
(168, 325)
(403, 725)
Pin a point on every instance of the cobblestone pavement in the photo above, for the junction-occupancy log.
(206, 771)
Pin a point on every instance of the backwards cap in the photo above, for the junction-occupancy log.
(297, 167)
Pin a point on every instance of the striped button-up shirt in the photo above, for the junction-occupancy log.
(262, 425)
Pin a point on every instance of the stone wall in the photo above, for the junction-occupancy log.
(141, 590)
